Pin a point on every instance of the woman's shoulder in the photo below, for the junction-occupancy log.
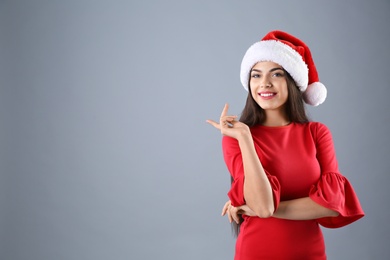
(319, 130)
(315, 126)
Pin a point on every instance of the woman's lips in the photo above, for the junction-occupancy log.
(267, 95)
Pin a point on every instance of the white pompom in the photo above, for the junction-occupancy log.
(315, 94)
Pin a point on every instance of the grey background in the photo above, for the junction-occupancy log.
(105, 153)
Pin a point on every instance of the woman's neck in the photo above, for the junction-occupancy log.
(275, 118)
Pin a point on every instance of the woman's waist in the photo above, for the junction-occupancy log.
(273, 238)
(272, 225)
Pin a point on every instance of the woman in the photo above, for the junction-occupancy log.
(285, 177)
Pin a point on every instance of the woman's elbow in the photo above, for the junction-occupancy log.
(264, 212)
(333, 213)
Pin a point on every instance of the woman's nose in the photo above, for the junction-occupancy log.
(266, 83)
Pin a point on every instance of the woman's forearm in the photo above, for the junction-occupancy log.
(302, 209)
(257, 188)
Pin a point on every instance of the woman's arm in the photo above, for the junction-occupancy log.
(257, 189)
(302, 209)
(297, 209)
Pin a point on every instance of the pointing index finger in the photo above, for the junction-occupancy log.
(225, 110)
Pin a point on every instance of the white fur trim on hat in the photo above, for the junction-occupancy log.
(282, 54)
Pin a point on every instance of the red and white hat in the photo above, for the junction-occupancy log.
(294, 56)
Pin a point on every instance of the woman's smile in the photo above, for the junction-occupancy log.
(266, 95)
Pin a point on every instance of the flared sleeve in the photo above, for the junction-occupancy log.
(234, 163)
(333, 190)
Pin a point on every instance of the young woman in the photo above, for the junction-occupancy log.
(285, 177)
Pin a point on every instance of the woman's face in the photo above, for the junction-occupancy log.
(268, 85)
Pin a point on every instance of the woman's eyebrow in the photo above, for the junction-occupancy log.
(273, 69)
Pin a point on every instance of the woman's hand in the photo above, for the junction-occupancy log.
(229, 126)
(234, 212)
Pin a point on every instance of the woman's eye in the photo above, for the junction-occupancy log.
(255, 76)
(278, 74)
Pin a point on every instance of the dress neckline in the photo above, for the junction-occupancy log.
(276, 127)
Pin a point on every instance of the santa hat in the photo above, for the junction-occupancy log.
(294, 56)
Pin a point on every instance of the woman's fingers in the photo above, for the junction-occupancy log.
(225, 122)
(213, 123)
(235, 216)
(227, 118)
(224, 116)
(225, 110)
(229, 215)
(225, 208)
(231, 211)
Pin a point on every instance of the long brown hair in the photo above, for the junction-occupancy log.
(253, 114)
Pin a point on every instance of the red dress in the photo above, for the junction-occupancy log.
(300, 161)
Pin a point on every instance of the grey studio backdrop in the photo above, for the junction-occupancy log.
(105, 153)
